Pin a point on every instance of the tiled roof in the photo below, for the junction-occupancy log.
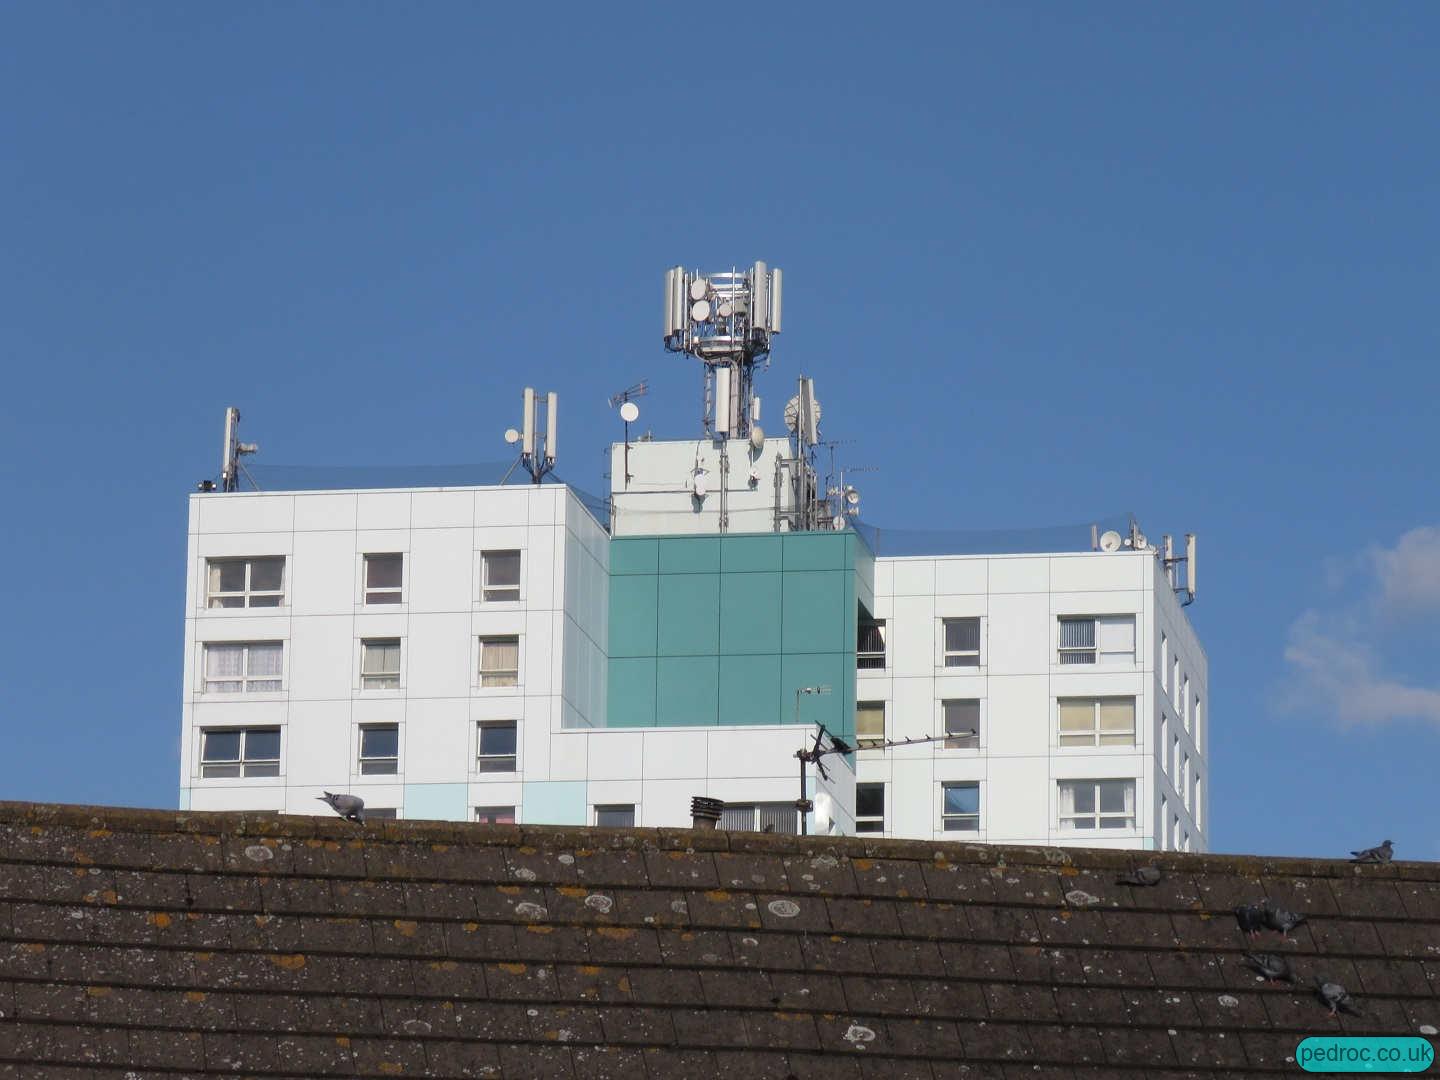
(158, 944)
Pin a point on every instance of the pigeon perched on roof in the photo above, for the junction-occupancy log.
(1336, 996)
(1251, 918)
(1277, 918)
(1273, 968)
(1382, 854)
(350, 807)
(1143, 876)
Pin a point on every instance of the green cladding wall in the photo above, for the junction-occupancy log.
(724, 629)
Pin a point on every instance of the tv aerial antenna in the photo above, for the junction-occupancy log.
(726, 320)
(537, 450)
(629, 413)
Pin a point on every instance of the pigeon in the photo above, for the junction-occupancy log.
(350, 807)
(1277, 918)
(1144, 875)
(1273, 968)
(1382, 854)
(1251, 918)
(1336, 996)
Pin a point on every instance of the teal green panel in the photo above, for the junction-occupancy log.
(750, 613)
(634, 615)
(689, 615)
(630, 696)
(813, 615)
(742, 553)
(634, 556)
(687, 690)
(689, 554)
(814, 551)
(553, 802)
(750, 689)
(819, 669)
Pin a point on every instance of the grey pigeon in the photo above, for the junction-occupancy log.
(1251, 918)
(1382, 854)
(1273, 968)
(350, 807)
(1336, 996)
(1277, 918)
(1143, 875)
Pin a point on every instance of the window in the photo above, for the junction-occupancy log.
(1097, 804)
(869, 808)
(615, 816)
(500, 661)
(870, 644)
(1164, 817)
(240, 752)
(1165, 663)
(495, 815)
(869, 722)
(1197, 805)
(243, 667)
(499, 576)
(1185, 703)
(379, 749)
(384, 575)
(239, 583)
(1097, 639)
(1195, 732)
(1097, 721)
(380, 664)
(496, 751)
(960, 719)
(380, 813)
(962, 642)
(1183, 775)
(1164, 741)
(960, 807)
(1174, 677)
(1175, 759)
(771, 817)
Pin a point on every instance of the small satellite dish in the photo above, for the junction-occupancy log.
(1140, 542)
(699, 483)
(511, 435)
(698, 288)
(852, 497)
(757, 437)
(838, 521)
(726, 309)
(1110, 540)
(700, 310)
(629, 412)
(792, 412)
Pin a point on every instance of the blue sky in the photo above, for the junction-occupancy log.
(1044, 262)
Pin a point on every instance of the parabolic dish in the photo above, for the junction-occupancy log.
(629, 412)
(700, 310)
(698, 288)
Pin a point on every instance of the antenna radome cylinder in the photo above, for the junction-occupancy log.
(552, 425)
(669, 301)
(227, 453)
(774, 322)
(759, 297)
(527, 422)
(722, 399)
(1190, 564)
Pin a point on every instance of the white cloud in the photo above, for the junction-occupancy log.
(1335, 660)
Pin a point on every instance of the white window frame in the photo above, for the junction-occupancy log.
(1164, 742)
(1185, 702)
(379, 677)
(872, 819)
(946, 653)
(1096, 816)
(244, 679)
(480, 673)
(481, 757)
(242, 764)
(1095, 733)
(1161, 840)
(361, 760)
(942, 729)
(977, 816)
(1095, 654)
(753, 812)
(486, 588)
(248, 594)
(482, 812)
(366, 592)
(861, 741)
(598, 808)
(871, 655)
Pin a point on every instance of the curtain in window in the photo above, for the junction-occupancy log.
(962, 635)
(1077, 633)
(502, 568)
(1117, 636)
(497, 658)
(224, 661)
(870, 720)
(266, 663)
(1077, 722)
(1117, 721)
(381, 658)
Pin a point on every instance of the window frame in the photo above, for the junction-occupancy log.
(361, 761)
(484, 573)
(248, 593)
(366, 592)
(946, 653)
(947, 818)
(242, 764)
(949, 743)
(480, 674)
(865, 660)
(754, 811)
(244, 678)
(862, 741)
(1096, 733)
(1096, 816)
(479, 815)
(863, 820)
(399, 672)
(597, 809)
(1098, 655)
(481, 757)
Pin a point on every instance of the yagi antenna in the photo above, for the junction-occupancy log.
(629, 413)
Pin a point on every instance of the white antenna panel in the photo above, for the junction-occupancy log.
(552, 425)
(1190, 564)
(774, 321)
(527, 422)
(722, 400)
(760, 292)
